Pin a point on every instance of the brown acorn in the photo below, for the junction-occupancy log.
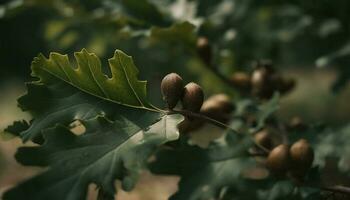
(264, 139)
(302, 156)
(241, 80)
(193, 97)
(218, 107)
(261, 82)
(172, 89)
(278, 159)
(204, 50)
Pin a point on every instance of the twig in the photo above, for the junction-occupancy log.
(213, 121)
(203, 117)
(337, 189)
(249, 154)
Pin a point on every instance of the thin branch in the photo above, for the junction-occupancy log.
(249, 154)
(337, 189)
(203, 117)
(212, 121)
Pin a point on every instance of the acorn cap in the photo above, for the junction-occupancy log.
(278, 159)
(193, 97)
(302, 155)
(172, 89)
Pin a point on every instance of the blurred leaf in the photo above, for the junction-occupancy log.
(266, 110)
(105, 152)
(204, 172)
(182, 33)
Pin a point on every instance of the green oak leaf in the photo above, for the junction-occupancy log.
(105, 152)
(65, 93)
(122, 87)
(122, 128)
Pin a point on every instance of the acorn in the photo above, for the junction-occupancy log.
(193, 97)
(261, 83)
(278, 159)
(218, 107)
(204, 50)
(302, 156)
(264, 139)
(172, 89)
(241, 80)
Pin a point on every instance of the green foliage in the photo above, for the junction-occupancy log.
(81, 93)
(218, 162)
(107, 151)
(122, 129)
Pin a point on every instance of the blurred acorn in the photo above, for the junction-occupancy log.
(261, 82)
(302, 157)
(218, 107)
(172, 89)
(193, 97)
(278, 160)
(241, 80)
(204, 50)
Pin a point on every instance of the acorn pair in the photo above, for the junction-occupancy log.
(173, 91)
(296, 159)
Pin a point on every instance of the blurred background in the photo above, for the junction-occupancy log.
(306, 40)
